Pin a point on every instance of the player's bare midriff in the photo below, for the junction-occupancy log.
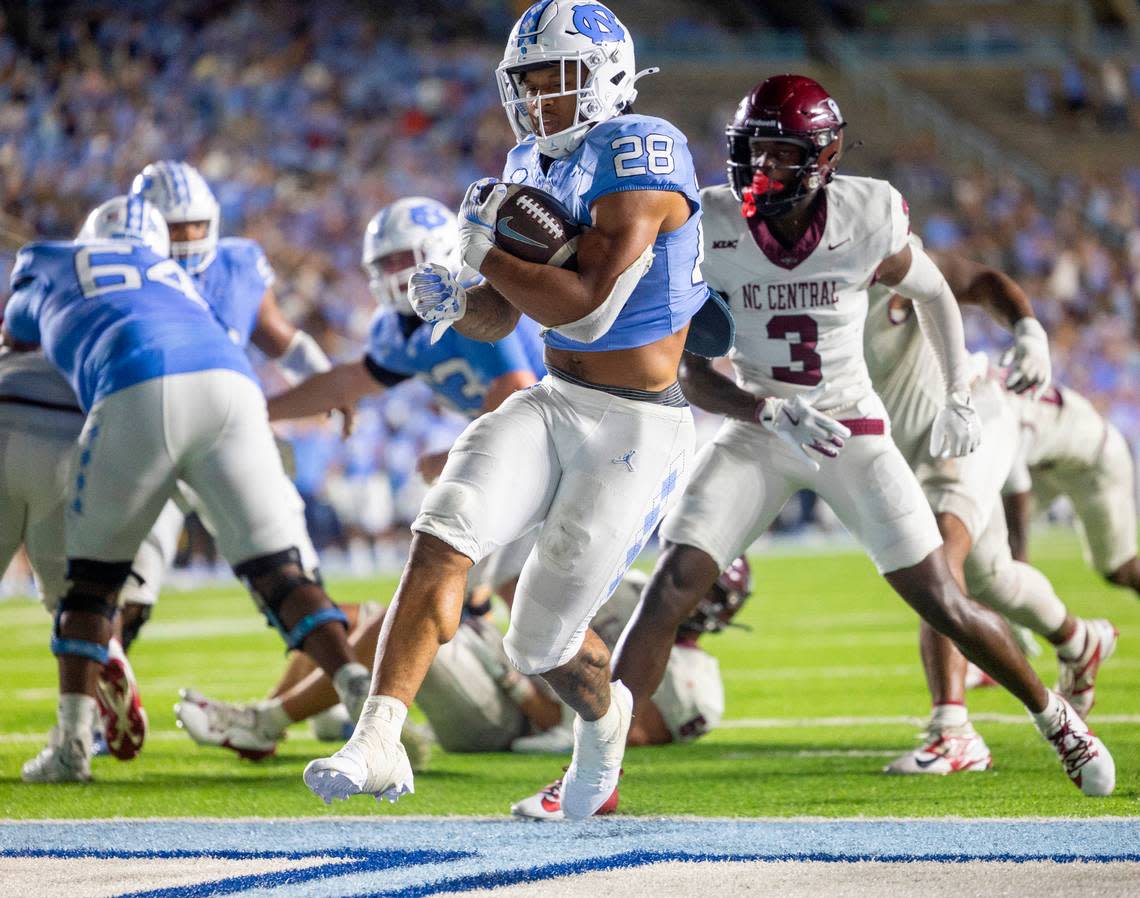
(652, 367)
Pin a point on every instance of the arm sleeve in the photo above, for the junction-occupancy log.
(939, 318)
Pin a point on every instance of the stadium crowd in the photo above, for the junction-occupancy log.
(306, 124)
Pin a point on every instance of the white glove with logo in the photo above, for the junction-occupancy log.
(437, 297)
(797, 423)
(477, 220)
(957, 429)
(1028, 358)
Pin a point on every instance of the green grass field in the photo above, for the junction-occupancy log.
(828, 640)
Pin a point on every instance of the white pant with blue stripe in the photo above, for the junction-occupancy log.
(597, 472)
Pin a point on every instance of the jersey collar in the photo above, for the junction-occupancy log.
(783, 256)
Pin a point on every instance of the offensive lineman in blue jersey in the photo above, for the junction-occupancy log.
(596, 452)
(168, 397)
(236, 280)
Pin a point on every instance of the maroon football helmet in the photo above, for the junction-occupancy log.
(727, 596)
(788, 108)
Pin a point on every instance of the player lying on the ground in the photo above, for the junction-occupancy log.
(1069, 449)
(475, 701)
(796, 271)
(168, 397)
(690, 700)
(595, 453)
(964, 494)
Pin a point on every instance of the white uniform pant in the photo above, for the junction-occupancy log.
(208, 429)
(745, 475)
(35, 473)
(1104, 498)
(597, 471)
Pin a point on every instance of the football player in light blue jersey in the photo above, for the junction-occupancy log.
(168, 397)
(596, 453)
(234, 277)
(466, 375)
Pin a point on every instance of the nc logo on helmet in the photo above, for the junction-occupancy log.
(427, 217)
(597, 23)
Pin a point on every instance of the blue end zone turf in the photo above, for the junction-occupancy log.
(424, 857)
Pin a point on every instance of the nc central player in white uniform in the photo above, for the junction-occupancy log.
(596, 452)
(796, 271)
(169, 398)
(1069, 449)
(964, 494)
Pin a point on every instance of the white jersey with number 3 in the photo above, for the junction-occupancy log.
(800, 311)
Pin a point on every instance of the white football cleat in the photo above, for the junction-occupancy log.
(547, 804)
(228, 725)
(593, 773)
(1076, 679)
(946, 750)
(66, 759)
(368, 764)
(334, 724)
(418, 740)
(1085, 759)
(120, 705)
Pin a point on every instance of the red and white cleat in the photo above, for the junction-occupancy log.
(1085, 759)
(948, 750)
(547, 804)
(236, 727)
(120, 705)
(976, 678)
(1076, 679)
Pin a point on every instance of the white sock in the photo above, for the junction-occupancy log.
(1073, 647)
(949, 715)
(77, 713)
(383, 714)
(608, 724)
(1047, 721)
(272, 719)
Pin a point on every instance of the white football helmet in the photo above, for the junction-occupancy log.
(595, 52)
(182, 195)
(423, 229)
(128, 217)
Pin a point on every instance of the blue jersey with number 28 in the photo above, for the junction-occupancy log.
(630, 152)
(111, 314)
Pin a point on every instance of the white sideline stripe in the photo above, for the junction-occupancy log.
(151, 736)
(777, 723)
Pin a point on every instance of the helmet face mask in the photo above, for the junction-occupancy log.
(401, 237)
(592, 53)
(787, 109)
(183, 197)
(726, 597)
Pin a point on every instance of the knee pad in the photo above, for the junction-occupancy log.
(270, 586)
(112, 574)
(85, 648)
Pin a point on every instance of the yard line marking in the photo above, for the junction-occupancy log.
(777, 723)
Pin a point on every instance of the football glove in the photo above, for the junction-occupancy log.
(1028, 358)
(957, 429)
(800, 425)
(437, 297)
(477, 216)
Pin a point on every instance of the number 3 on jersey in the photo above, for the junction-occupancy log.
(636, 155)
(801, 334)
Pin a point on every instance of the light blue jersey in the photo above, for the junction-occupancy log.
(459, 370)
(630, 152)
(234, 284)
(111, 314)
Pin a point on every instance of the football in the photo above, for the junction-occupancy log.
(534, 226)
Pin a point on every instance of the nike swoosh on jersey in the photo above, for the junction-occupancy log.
(507, 231)
(839, 244)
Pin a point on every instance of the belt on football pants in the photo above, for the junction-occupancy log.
(865, 427)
